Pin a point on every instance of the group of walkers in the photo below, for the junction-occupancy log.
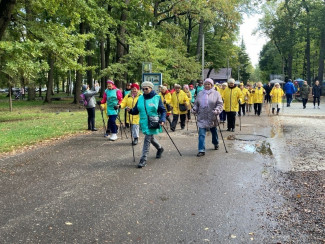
(209, 103)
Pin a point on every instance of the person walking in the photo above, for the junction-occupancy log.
(91, 104)
(244, 94)
(223, 115)
(152, 118)
(250, 100)
(192, 90)
(268, 88)
(189, 95)
(304, 91)
(180, 103)
(126, 92)
(317, 92)
(208, 105)
(276, 97)
(232, 96)
(199, 88)
(112, 97)
(129, 101)
(259, 93)
(289, 90)
(166, 99)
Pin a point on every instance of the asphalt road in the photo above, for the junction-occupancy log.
(88, 190)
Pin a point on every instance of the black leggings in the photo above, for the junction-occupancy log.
(318, 100)
(91, 118)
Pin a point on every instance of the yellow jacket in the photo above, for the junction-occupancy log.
(244, 93)
(231, 98)
(179, 98)
(129, 101)
(166, 99)
(259, 95)
(189, 95)
(250, 96)
(277, 94)
(217, 88)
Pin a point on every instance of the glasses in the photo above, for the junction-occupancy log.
(145, 89)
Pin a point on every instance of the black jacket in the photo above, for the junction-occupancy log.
(317, 91)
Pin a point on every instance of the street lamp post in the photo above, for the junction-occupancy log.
(203, 56)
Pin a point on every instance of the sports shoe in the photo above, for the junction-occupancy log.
(113, 137)
(135, 141)
(142, 164)
(216, 147)
(94, 129)
(318, 107)
(159, 152)
(106, 135)
(314, 107)
(200, 154)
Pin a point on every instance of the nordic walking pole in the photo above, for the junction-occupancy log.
(131, 136)
(172, 140)
(104, 126)
(121, 125)
(222, 136)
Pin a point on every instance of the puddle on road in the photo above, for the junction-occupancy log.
(263, 147)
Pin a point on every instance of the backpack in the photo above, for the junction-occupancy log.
(83, 100)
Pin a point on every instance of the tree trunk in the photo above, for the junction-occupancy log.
(199, 40)
(208, 75)
(48, 97)
(189, 33)
(77, 87)
(6, 8)
(89, 47)
(102, 66)
(289, 67)
(321, 57)
(121, 48)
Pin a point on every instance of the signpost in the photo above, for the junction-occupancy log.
(155, 78)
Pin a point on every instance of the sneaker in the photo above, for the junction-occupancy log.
(94, 129)
(232, 130)
(318, 107)
(106, 135)
(142, 164)
(200, 154)
(113, 137)
(228, 129)
(216, 147)
(314, 107)
(159, 152)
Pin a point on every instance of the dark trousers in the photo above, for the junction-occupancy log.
(304, 102)
(91, 118)
(189, 114)
(289, 99)
(223, 116)
(267, 98)
(318, 100)
(231, 120)
(112, 123)
(242, 108)
(258, 108)
(175, 120)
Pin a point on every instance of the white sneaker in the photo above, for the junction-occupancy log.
(113, 137)
(314, 107)
(318, 107)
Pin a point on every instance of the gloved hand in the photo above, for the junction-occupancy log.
(117, 106)
(98, 103)
(193, 111)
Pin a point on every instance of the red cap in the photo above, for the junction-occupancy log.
(135, 85)
(191, 86)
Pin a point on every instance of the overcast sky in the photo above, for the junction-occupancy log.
(254, 43)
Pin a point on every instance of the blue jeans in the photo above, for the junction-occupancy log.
(202, 132)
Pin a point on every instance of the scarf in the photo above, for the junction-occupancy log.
(205, 98)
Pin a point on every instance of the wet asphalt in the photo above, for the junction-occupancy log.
(86, 189)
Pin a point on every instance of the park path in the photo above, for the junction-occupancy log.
(88, 190)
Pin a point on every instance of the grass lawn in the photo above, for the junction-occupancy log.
(34, 122)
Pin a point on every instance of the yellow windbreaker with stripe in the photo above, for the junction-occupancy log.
(259, 95)
(129, 101)
(277, 94)
(230, 99)
(179, 98)
(244, 93)
(166, 99)
(250, 96)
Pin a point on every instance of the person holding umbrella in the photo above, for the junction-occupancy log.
(208, 105)
(276, 96)
(129, 101)
(152, 118)
(112, 97)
